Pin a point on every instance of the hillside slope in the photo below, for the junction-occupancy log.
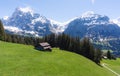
(113, 64)
(23, 60)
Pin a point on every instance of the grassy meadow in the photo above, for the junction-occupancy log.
(24, 60)
(113, 64)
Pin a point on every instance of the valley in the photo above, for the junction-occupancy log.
(99, 28)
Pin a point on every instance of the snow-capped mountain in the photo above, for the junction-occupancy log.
(95, 26)
(104, 33)
(25, 22)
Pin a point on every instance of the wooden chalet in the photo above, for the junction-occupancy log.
(43, 46)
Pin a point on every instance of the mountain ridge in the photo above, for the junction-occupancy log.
(30, 18)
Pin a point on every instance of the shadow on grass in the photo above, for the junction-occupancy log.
(47, 50)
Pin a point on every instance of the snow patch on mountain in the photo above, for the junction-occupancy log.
(13, 29)
(59, 27)
(31, 32)
(88, 14)
(42, 20)
(55, 22)
(26, 9)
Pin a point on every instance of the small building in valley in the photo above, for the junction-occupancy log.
(43, 46)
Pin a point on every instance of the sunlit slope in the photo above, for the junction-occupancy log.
(113, 64)
(23, 60)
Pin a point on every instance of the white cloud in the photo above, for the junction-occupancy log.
(93, 1)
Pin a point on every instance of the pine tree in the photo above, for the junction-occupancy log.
(97, 57)
(109, 56)
(86, 47)
(8, 38)
(2, 32)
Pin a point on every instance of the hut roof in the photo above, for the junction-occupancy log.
(44, 44)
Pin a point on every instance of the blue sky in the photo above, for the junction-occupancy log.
(63, 10)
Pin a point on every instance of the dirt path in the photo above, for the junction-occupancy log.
(110, 69)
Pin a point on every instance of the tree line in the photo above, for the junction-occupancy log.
(80, 46)
(63, 41)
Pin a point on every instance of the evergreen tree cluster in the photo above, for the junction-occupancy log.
(23, 39)
(2, 32)
(82, 47)
(110, 56)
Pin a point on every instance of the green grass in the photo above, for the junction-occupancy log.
(23, 60)
(113, 64)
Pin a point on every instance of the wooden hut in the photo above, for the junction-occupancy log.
(43, 46)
